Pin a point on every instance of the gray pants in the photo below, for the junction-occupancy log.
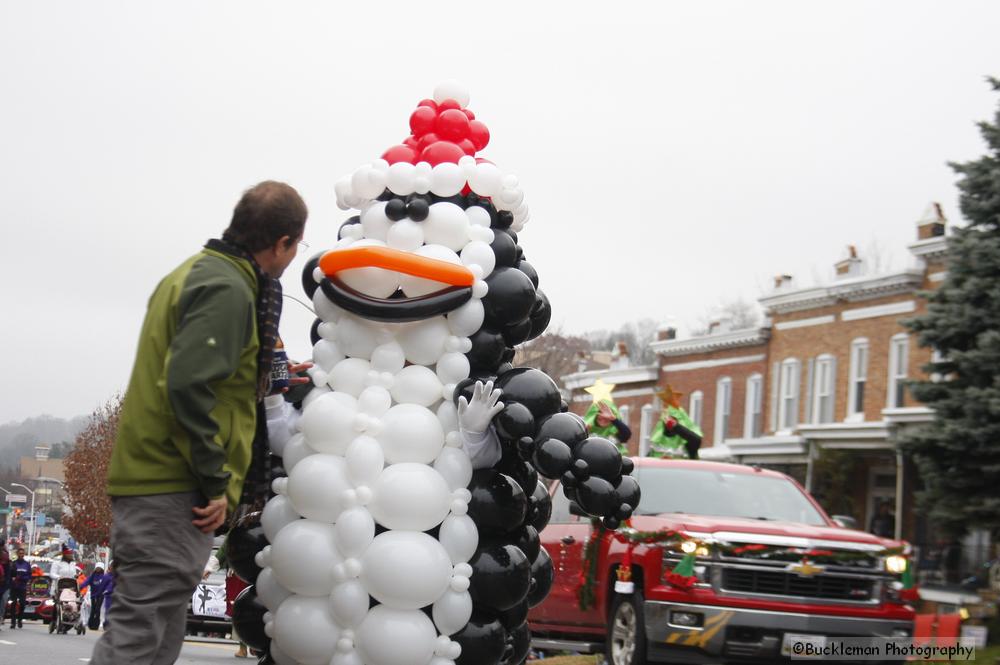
(159, 557)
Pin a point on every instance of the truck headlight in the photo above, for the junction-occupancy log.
(895, 564)
(689, 547)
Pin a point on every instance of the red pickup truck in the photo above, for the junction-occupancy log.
(769, 565)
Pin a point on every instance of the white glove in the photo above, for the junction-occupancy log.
(474, 417)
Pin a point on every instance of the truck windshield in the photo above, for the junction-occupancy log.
(697, 492)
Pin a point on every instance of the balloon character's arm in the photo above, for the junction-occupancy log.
(483, 448)
(624, 432)
(692, 440)
(474, 415)
(282, 419)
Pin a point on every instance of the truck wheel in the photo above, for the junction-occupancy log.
(626, 643)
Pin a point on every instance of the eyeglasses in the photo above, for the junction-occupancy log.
(304, 245)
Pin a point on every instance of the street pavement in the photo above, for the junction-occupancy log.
(33, 645)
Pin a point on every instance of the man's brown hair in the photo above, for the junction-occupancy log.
(266, 213)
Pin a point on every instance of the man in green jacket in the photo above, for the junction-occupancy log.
(190, 423)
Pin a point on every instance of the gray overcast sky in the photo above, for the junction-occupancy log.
(673, 154)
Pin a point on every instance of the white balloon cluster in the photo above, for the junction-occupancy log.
(362, 187)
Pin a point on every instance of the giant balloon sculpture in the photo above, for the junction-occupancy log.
(383, 546)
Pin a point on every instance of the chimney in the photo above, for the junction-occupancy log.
(782, 282)
(931, 224)
(619, 356)
(41, 453)
(849, 266)
(666, 333)
(720, 325)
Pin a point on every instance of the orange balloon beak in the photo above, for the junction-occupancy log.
(393, 259)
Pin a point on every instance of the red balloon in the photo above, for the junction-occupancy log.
(452, 125)
(400, 153)
(467, 146)
(469, 114)
(413, 142)
(422, 120)
(428, 139)
(479, 134)
(442, 151)
(448, 104)
(428, 102)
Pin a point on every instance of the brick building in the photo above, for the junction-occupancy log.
(817, 392)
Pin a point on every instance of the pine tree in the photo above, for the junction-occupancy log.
(958, 454)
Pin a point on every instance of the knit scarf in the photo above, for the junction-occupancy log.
(268, 312)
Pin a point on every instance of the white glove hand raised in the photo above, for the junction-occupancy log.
(475, 416)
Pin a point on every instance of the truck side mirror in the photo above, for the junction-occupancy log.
(845, 521)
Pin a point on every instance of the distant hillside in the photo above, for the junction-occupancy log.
(20, 438)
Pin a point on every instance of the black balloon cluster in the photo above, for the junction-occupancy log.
(243, 543)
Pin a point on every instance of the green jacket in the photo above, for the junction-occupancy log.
(189, 415)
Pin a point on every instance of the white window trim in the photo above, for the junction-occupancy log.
(697, 398)
(852, 376)
(794, 395)
(831, 388)
(723, 408)
(753, 395)
(894, 373)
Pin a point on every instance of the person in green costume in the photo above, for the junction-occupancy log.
(603, 419)
(675, 434)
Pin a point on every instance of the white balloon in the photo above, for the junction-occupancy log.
(303, 556)
(452, 367)
(305, 630)
(459, 537)
(355, 530)
(482, 234)
(347, 658)
(375, 282)
(405, 569)
(455, 467)
(325, 309)
(417, 384)
(452, 611)
(389, 636)
(282, 658)
(487, 180)
(269, 591)
(446, 224)
(349, 375)
(388, 357)
(374, 400)
(448, 415)
(467, 319)
(326, 354)
(447, 179)
(364, 460)
(349, 603)
(296, 449)
(451, 89)
(355, 337)
(480, 254)
(406, 235)
(316, 486)
(374, 222)
(418, 286)
(423, 343)
(478, 216)
(328, 423)
(399, 178)
(410, 433)
(410, 496)
(277, 513)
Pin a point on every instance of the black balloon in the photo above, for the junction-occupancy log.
(512, 465)
(417, 208)
(245, 540)
(602, 457)
(627, 466)
(504, 219)
(532, 388)
(309, 285)
(530, 271)
(498, 503)
(314, 331)
(541, 507)
(395, 209)
(567, 427)
(552, 457)
(504, 248)
(487, 350)
(510, 298)
(520, 640)
(540, 316)
(501, 576)
(248, 619)
(517, 333)
(482, 639)
(526, 539)
(597, 496)
(514, 422)
(515, 616)
(627, 491)
(542, 576)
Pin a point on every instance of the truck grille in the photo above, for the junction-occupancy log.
(780, 583)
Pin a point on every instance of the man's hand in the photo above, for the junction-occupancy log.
(605, 411)
(211, 516)
(475, 416)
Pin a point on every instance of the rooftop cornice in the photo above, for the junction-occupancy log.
(850, 290)
(617, 376)
(929, 248)
(726, 340)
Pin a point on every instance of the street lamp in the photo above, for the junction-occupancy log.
(34, 524)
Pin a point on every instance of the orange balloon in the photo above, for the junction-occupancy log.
(393, 259)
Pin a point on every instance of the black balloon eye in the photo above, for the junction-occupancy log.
(504, 219)
(418, 209)
(395, 209)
